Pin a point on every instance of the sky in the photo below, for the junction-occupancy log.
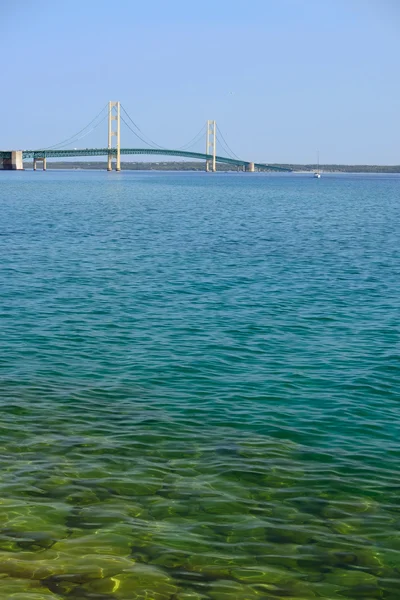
(283, 78)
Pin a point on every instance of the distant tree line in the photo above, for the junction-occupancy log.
(346, 168)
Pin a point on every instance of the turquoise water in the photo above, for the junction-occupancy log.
(199, 383)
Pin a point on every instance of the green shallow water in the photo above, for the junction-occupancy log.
(199, 387)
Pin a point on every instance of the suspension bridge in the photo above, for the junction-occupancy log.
(115, 113)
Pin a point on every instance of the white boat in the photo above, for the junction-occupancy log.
(317, 173)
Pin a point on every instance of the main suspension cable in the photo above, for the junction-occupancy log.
(150, 142)
(194, 140)
(221, 143)
(136, 134)
(227, 145)
(87, 133)
(70, 139)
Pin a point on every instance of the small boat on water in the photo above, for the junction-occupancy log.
(317, 173)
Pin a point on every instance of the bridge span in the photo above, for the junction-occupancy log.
(13, 159)
(42, 155)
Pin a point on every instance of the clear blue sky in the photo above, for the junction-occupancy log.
(282, 78)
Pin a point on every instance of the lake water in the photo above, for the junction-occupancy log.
(199, 386)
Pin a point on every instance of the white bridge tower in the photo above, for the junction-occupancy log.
(114, 116)
(211, 145)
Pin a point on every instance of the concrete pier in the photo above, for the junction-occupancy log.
(42, 160)
(12, 163)
(250, 167)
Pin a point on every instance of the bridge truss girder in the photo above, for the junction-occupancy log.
(142, 151)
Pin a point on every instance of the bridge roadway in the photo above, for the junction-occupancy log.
(40, 154)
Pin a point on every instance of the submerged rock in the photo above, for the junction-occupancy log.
(170, 560)
(285, 557)
(140, 486)
(141, 582)
(33, 596)
(263, 575)
(102, 514)
(221, 506)
(18, 519)
(190, 595)
(216, 566)
(15, 541)
(24, 588)
(165, 508)
(49, 564)
(105, 543)
(233, 590)
(29, 565)
(83, 497)
(290, 535)
(350, 578)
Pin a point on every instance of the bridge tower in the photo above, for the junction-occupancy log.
(114, 115)
(211, 146)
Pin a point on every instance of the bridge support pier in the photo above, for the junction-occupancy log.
(250, 167)
(39, 159)
(13, 163)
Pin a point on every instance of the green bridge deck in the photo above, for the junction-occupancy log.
(145, 151)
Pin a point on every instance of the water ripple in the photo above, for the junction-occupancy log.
(199, 387)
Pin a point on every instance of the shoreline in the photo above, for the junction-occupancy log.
(199, 168)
